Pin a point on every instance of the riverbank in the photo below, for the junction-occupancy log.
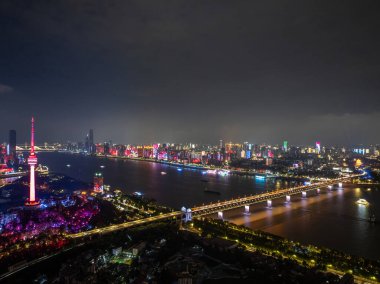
(199, 167)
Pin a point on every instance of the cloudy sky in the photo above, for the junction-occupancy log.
(143, 71)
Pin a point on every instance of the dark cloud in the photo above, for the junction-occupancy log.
(5, 89)
(141, 71)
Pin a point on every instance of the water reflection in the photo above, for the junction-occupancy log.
(330, 219)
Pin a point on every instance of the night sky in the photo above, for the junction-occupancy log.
(191, 71)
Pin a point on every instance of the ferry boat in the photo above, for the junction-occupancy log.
(362, 201)
(42, 169)
(223, 172)
(372, 218)
(211, 191)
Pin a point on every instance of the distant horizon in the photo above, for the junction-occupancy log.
(26, 137)
(201, 144)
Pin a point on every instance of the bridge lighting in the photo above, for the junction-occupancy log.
(246, 210)
(303, 194)
(288, 198)
(269, 203)
(220, 214)
(340, 185)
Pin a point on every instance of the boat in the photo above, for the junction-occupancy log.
(163, 173)
(42, 169)
(68, 165)
(223, 173)
(102, 167)
(211, 191)
(362, 201)
(372, 218)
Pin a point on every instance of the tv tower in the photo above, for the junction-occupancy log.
(32, 162)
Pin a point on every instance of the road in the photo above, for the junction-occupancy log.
(112, 228)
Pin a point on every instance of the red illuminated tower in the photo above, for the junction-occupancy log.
(98, 183)
(32, 162)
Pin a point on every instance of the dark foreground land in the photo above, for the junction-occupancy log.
(205, 251)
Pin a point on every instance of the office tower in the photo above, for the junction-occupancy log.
(12, 143)
(89, 142)
(285, 146)
(91, 137)
(318, 147)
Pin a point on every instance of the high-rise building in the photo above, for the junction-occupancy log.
(318, 147)
(32, 162)
(12, 143)
(285, 146)
(98, 183)
(89, 142)
(91, 136)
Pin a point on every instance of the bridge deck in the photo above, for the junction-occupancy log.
(252, 199)
(215, 207)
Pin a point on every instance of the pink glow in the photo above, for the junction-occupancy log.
(32, 162)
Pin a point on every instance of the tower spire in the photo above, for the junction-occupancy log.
(32, 138)
(32, 162)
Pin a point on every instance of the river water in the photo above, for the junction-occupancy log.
(331, 219)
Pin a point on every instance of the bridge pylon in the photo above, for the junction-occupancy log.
(186, 215)
(246, 210)
(287, 198)
(220, 215)
(269, 204)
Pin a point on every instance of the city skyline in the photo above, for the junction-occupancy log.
(142, 72)
(184, 141)
(86, 141)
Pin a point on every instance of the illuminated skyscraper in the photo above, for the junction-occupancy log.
(285, 146)
(98, 183)
(89, 142)
(318, 147)
(12, 143)
(32, 162)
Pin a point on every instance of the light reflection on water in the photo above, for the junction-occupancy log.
(331, 219)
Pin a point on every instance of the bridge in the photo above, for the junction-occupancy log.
(252, 199)
(41, 148)
(211, 208)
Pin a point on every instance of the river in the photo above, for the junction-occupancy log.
(331, 219)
